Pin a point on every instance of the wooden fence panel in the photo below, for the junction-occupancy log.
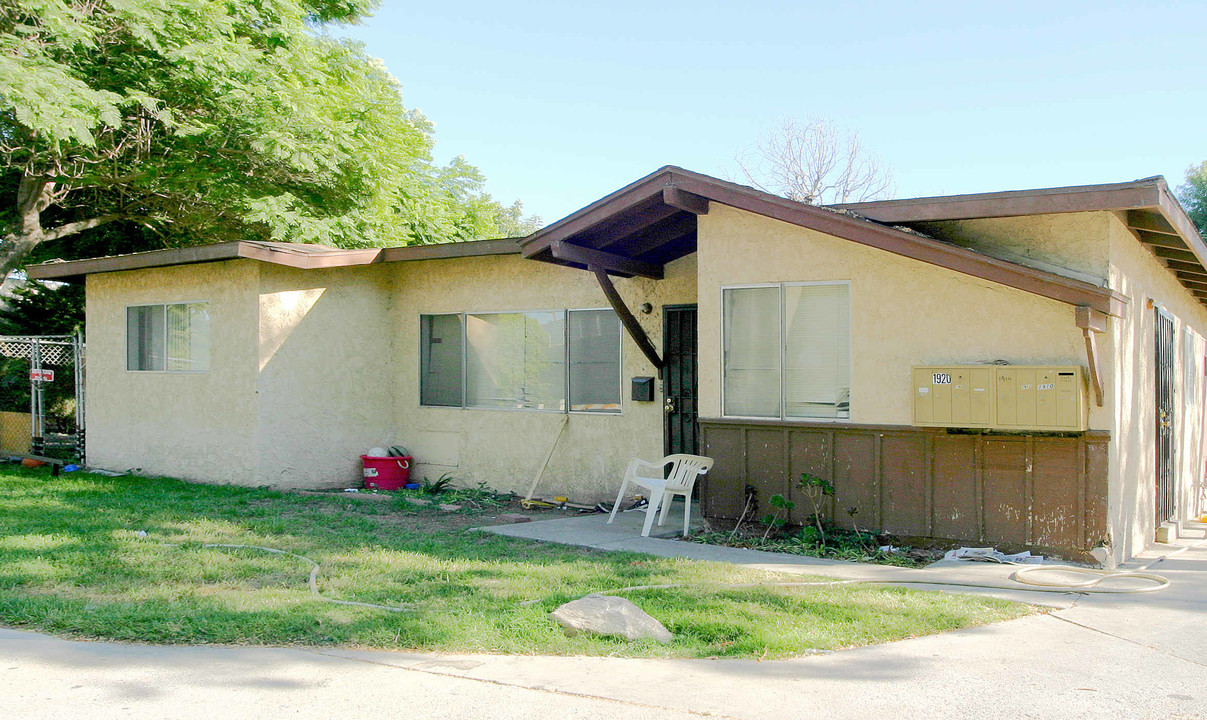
(978, 488)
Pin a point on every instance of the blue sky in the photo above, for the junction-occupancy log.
(561, 103)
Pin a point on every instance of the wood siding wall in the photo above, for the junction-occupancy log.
(985, 489)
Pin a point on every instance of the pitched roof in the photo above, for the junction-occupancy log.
(1147, 207)
(639, 228)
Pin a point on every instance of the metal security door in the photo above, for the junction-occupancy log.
(1165, 417)
(681, 428)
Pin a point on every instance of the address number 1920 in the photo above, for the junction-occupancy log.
(940, 378)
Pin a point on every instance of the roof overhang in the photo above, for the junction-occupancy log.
(1147, 207)
(295, 255)
(636, 230)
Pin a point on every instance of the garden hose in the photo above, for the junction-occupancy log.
(1089, 586)
(314, 573)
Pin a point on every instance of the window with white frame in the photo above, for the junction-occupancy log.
(555, 360)
(786, 351)
(168, 338)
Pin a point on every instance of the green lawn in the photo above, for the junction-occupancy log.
(71, 562)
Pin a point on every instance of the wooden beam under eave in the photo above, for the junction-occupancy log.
(610, 234)
(1166, 241)
(664, 232)
(636, 332)
(604, 260)
(1149, 222)
(1186, 267)
(683, 200)
(1192, 283)
(1091, 323)
(1171, 254)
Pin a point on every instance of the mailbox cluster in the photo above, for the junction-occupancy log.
(1001, 397)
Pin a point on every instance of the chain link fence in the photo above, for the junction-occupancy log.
(42, 395)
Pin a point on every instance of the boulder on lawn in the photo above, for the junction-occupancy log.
(608, 615)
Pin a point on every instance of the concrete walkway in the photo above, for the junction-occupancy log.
(1099, 656)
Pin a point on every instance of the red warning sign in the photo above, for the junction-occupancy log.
(41, 375)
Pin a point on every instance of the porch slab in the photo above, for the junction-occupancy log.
(624, 535)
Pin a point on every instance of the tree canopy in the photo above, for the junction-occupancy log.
(206, 120)
(1194, 196)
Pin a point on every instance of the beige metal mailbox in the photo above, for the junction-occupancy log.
(953, 396)
(1040, 397)
(1004, 397)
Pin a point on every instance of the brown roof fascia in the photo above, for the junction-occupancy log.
(74, 270)
(968, 262)
(1081, 198)
(445, 251)
(600, 211)
(301, 256)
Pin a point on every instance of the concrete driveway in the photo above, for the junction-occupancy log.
(1112, 656)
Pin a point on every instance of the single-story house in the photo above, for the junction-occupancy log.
(1020, 368)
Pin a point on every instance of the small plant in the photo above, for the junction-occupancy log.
(817, 490)
(773, 520)
(751, 497)
(442, 484)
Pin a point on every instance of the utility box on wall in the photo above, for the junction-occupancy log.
(1001, 397)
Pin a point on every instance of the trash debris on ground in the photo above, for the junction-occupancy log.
(988, 554)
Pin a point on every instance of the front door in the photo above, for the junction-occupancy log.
(681, 431)
(1165, 411)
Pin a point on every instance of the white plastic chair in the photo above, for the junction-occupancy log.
(685, 469)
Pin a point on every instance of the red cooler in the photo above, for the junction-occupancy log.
(386, 473)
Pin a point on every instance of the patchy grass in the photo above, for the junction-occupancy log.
(73, 563)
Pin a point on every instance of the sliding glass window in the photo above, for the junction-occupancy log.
(553, 360)
(786, 351)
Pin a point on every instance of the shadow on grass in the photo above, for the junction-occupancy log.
(72, 561)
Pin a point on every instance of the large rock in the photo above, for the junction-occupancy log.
(608, 615)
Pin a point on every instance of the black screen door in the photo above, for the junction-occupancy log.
(1165, 417)
(680, 427)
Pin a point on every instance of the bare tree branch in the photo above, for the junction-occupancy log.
(815, 162)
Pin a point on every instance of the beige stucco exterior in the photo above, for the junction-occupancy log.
(505, 448)
(1136, 273)
(1071, 244)
(199, 426)
(310, 368)
(904, 312)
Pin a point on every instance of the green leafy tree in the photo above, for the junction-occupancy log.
(208, 120)
(1194, 196)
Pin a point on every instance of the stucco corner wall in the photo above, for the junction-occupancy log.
(1061, 242)
(325, 357)
(505, 448)
(195, 426)
(1137, 274)
(904, 312)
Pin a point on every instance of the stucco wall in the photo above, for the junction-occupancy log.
(903, 312)
(1136, 273)
(1073, 244)
(326, 349)
(505, 448)
(196, 426)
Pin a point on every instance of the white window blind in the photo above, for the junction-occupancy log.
(594, 372)
(817, 360)
(172, 338)
(786, 351)
(188, 337)
(516, 360)
(751, 354)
